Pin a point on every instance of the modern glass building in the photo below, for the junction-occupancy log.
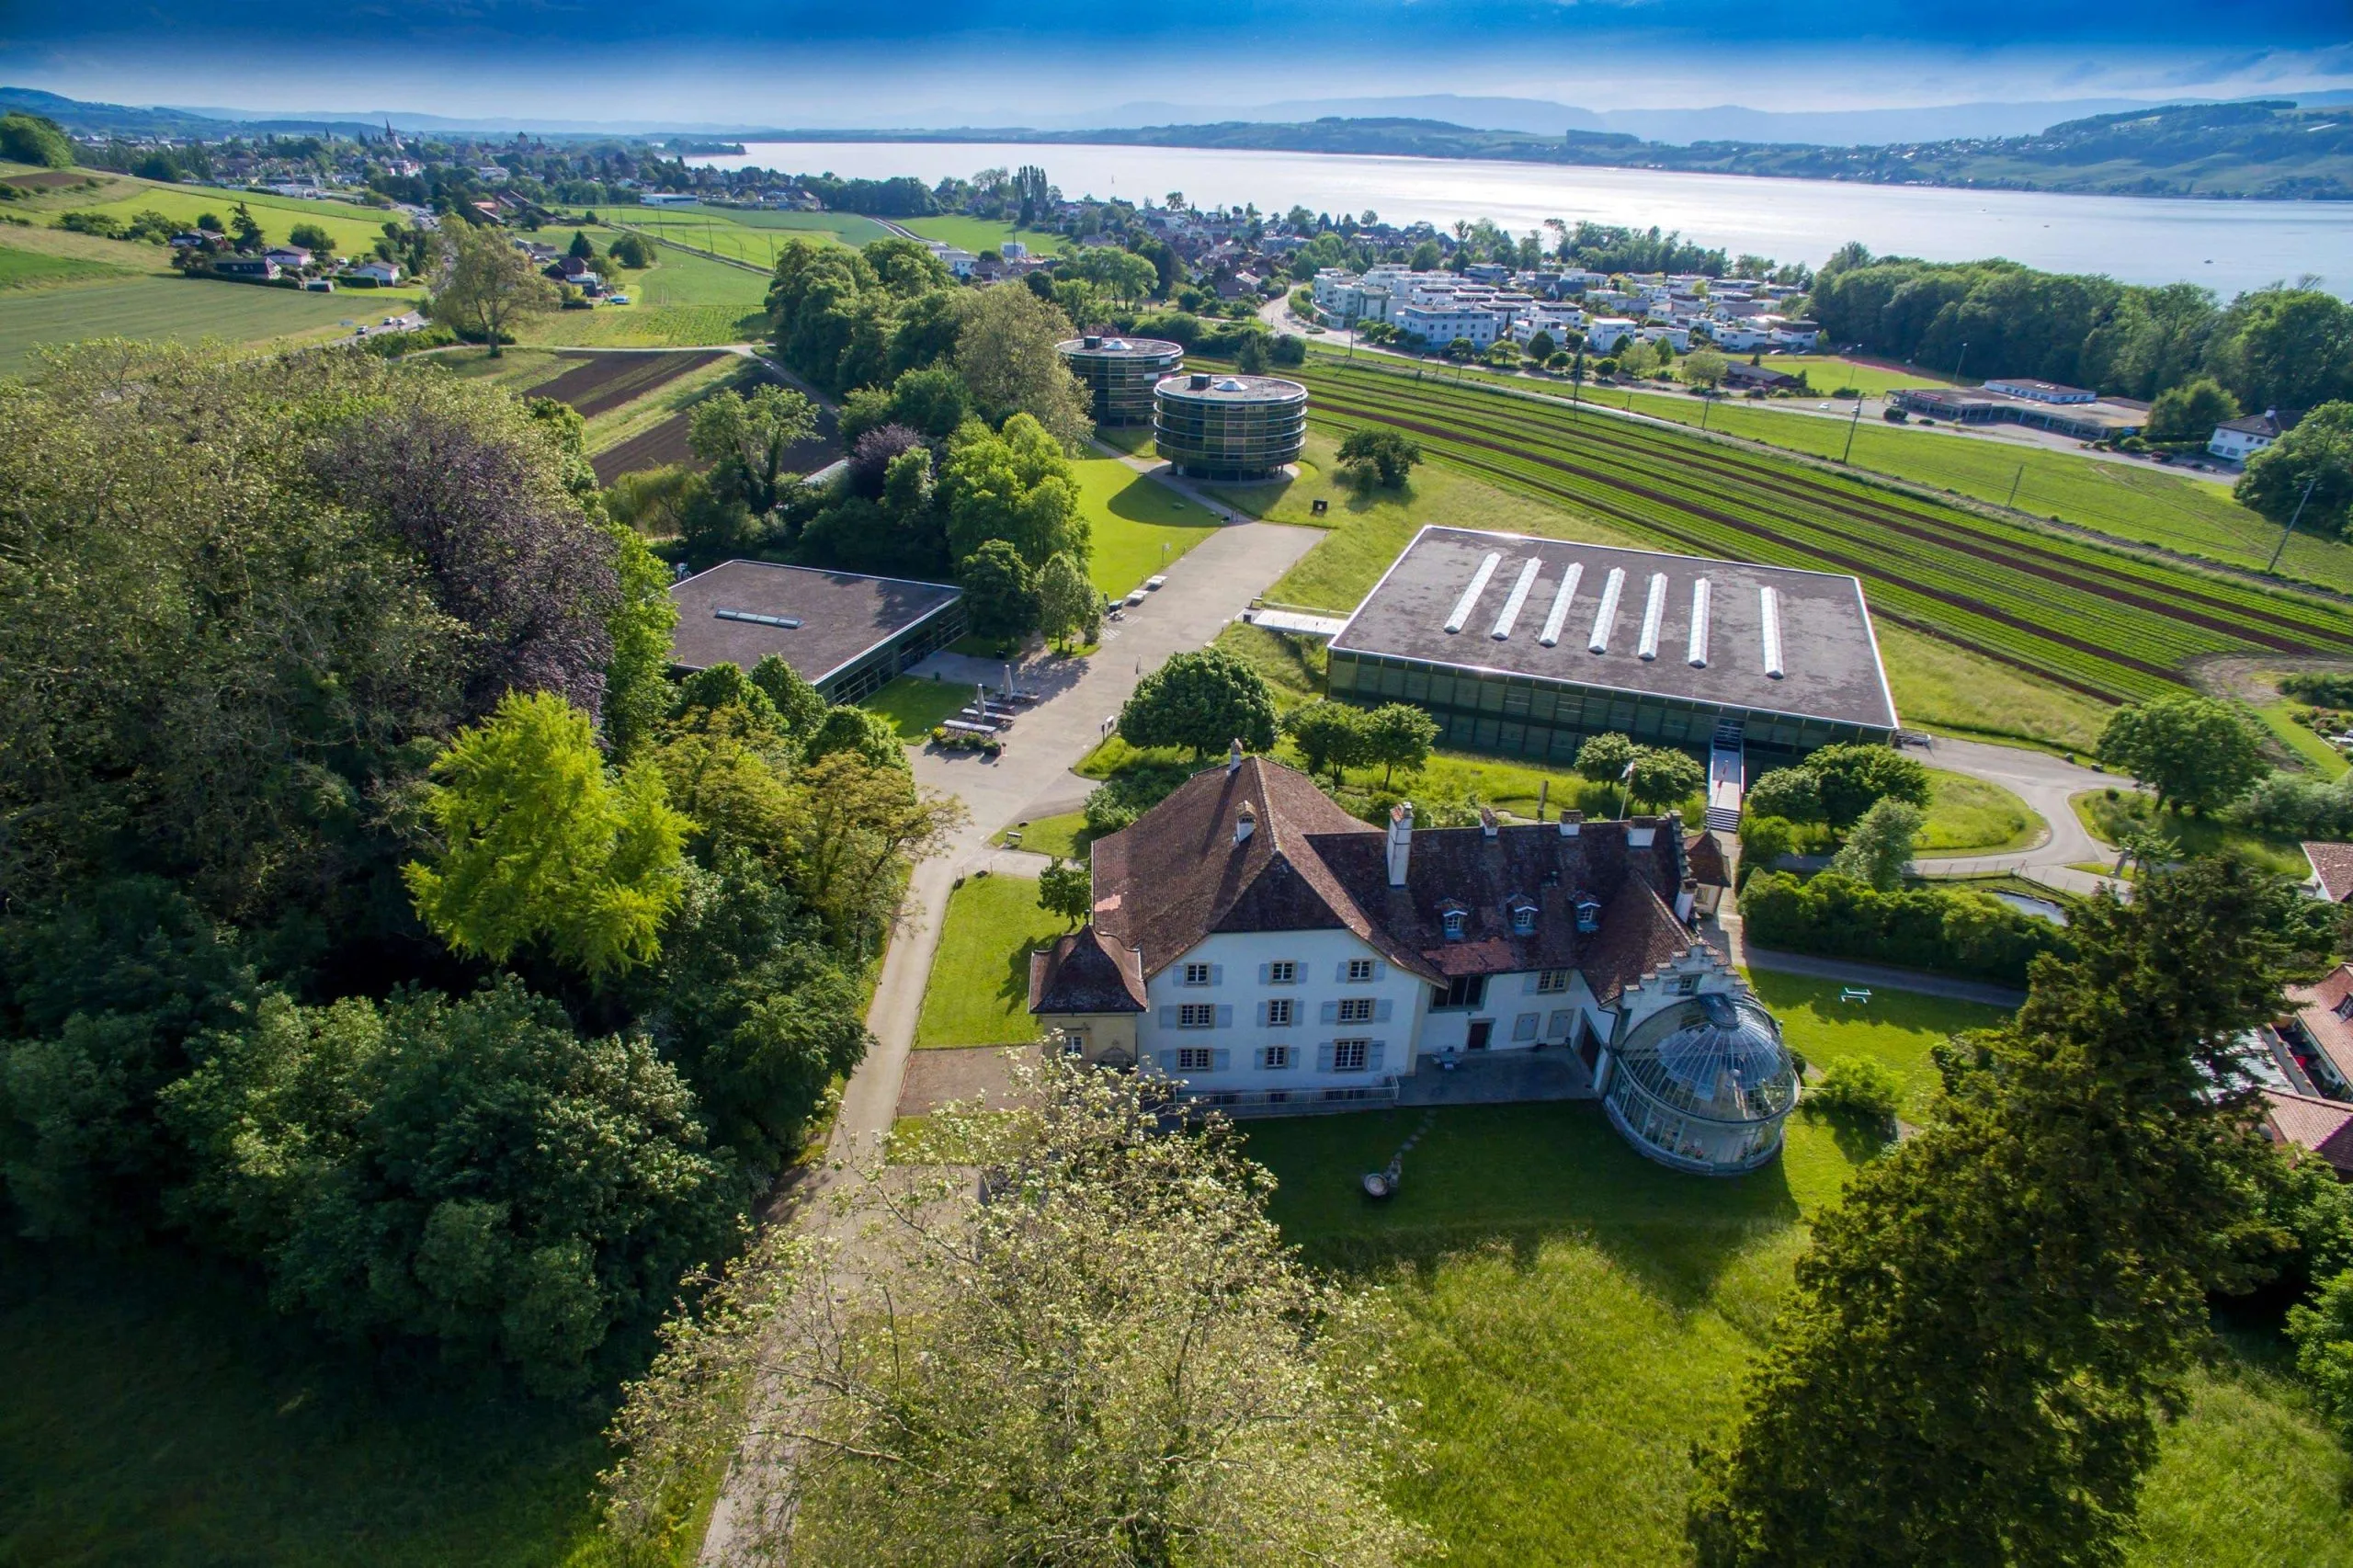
(1120, 374)
(1704, 1086)
(1229, 427)
(1528, 647)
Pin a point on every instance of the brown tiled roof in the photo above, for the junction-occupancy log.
(2333, 865)
(1084, 972)
(1176, 875)
(1704, 858)
(2325, 1127)
(2316, 1014)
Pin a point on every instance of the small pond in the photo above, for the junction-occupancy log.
(2041, 908)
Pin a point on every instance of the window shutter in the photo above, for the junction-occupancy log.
(1258, 1058)
(1527, 985)
(1524, 1026)
(1341, 974)
(1324, 1057)
(1561, 1022)
(1225, 1015)
(1373, 1053)
(1217, 974)
(1379, 969)
(1264, 1008)
(1224, 1058)
(1167, 1017)
(1330, 1012)
(1380, 1011)
(1168, 1063)
(1266, 974)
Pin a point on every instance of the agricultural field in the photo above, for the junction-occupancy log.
(981, 236)
(752, 235)
(355, 228)
(2107, 623)
(1572, 1317)
(1827, 372)
(36, 269)
(651, 432)
(179, 309)
(681, 301)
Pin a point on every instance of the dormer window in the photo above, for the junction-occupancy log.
(1452, 920)
(1588, 912)
(2345, 1008)
(1523, 917)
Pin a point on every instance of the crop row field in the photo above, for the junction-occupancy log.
(2106, 622)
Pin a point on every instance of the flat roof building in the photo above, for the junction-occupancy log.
(843, 633)
(1529, 645)
(2098, 419)
(1229, 427)
(1120, 374)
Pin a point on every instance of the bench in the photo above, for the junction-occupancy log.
(960, 727)
(1854, 993)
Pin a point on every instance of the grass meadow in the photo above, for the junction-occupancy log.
(1064, 835)
(355, 228)
(978, 991)
(681, 301)
(2108, 813)
(982, 236)
(1139, 526)
(1975, 816)
(182, 310)
(1571, 1318)
(918, 706)
(36, 269)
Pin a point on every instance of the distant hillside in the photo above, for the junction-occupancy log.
(2264, 150)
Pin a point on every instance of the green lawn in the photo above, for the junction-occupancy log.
(1065, 835)
(35, 269)
(978, 992)
(1973, 816)
(2308, 747)
(1572, 1317)
(180, 309)
(355, 229)
(681, 301)
(1827, 372)
(981, 236)
(160, 1415)
(2105, 817)
(916, 706)
(752, 235)
(1952, 690)
(1291, 666)
(1140, 527)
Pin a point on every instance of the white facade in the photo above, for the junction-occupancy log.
(1607, 335)
(1442, 325)
(1224, 1017)
(2240, 439)
(1739, 337)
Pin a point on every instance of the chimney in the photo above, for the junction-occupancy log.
(1687, 899)
(1401, 841)
(1234, 756)
(1488, 827)
(1245, 823)
(1571, 822)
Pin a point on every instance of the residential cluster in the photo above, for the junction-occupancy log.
(1486, 302)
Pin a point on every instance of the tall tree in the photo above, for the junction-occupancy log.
(2190, 412)
(484, 284)
(1330, 735)
(1985, 1323)
(1068, 605)
(1203, 701)
(1066, 890)
(747, 440)
(1112, 1360)
(1016, 486)
(1877, 851)
(1005, 354)
(1664, 776)
(1000, 593)
(2193, 752)
(538, 846)
(2310, 470)
(1398, 734)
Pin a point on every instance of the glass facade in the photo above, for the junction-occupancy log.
(1704, 1086)
(1525, 716)
(1230, 427)
(878, 666)
(1120, 374)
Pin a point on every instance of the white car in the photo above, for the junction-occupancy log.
(392, 321)
(1135, 598)
(1153, 584)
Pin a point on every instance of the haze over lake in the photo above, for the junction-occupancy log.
(2225, 245)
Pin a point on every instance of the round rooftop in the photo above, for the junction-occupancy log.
(1704, 1085)
(1199, 386)
(1121, 348)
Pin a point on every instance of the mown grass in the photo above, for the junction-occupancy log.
(979, 989)
(1572, 1318)
(681, 301)
(1950, 690)
(353, 228)
(1139, 526)
(918, 706)
(159, 1415)
(1974, 816)
(181, 310)
(2300, 741)
(1064, 835)
(35, 269)
(750, 236)
(981, 236)
(2105, 816)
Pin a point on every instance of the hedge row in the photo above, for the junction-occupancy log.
(1949, 930)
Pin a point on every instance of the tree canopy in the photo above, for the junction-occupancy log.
(2194, 752)
(1201, 701)
(2310, 469)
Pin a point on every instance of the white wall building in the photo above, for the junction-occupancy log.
(1268, 953)
(2236, 440)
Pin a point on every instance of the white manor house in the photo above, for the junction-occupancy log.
(1271, 953)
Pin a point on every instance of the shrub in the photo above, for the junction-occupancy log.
(1951, 930)
(2326, 688)
(1859, 1087)
(1128, 796)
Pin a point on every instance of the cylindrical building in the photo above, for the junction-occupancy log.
(1702, 1085)
(1118, 373)
(1229, 427)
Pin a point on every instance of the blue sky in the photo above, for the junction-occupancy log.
(791, 61)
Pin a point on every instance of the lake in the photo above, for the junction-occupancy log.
(2225, 245)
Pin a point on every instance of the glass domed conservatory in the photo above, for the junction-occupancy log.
(1704, 1086)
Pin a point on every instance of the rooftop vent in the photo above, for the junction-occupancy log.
(1605, 616)
(1479, 581)
(1654, 613)
(1697, 652)
(1231, 383)
(1770, 604)
(1198, 380)
(1561, 597)
(1512, 606)
(756, 618)
(1090, 341)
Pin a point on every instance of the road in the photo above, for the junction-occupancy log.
(2045, 783)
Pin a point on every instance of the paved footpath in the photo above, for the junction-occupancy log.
(1210, 586)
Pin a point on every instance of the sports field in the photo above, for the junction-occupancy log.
(981, 236)
(183, 310)
(2106, 622)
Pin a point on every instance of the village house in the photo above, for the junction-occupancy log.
(2236, 440)
(1267, 951)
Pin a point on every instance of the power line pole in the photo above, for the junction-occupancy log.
(1857, 419)
(2016, 480)
(2292, 518)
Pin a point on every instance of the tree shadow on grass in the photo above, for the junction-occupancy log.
(1516, 1177)
(1145, 501)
